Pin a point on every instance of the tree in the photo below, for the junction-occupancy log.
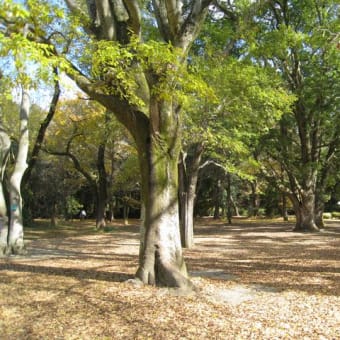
(137, 81)
(74, 118)
(140, 81)
(299, 39)
(5, 144)
(19, 55)
(189, 167)
(220, 128)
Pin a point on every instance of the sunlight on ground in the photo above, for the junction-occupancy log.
(253, 280)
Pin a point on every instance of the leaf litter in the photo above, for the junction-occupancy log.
(253, 279)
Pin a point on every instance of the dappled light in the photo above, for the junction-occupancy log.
(178, 110)
(252, 278)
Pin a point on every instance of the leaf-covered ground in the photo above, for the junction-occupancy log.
(254, 279)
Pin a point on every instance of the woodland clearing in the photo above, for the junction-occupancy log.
(255, 279)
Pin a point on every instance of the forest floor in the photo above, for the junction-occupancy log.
(255, 280)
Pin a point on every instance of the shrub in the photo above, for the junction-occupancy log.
(336, 214)
(327, 216)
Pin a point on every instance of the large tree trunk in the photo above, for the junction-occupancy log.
(304, 211)
(5, 144)
(161, 258)
(16, 228)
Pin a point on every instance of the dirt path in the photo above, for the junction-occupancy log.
(255, 280)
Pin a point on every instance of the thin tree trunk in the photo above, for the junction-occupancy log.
(102, 189)
(188, 177)
(111, 214)
(54, 219)
(217, 200)
(16, 229)
(229, 198)
(126, 211)
(235, 207)
(182, 199)
(5, 144)
(255, 202)
(284, 207)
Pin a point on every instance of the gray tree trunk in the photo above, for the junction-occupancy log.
(189, 167)
(161, 258)
(16, 228)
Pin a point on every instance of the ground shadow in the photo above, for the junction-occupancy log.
(76, 273)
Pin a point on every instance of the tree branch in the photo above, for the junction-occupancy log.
(74, 159)
(191, 26)
(134, 16)
(206, 163)
(162, 20)
(43, 127)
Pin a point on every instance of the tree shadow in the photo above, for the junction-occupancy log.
(76, 273)
(269, 255)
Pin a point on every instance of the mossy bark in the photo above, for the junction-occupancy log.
(16, 228)
(161, 258)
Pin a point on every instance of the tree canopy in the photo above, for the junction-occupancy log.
(249, 86)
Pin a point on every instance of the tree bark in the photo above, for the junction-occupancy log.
(54, 217)
(101, 188)
(318, 213)
(229, 198)
(161, 258)
(284, 207)
(42, 131)
(255, 201)
(217, 199)
(5, 144)
(188, 175)
(16, 228)
(304, 211)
